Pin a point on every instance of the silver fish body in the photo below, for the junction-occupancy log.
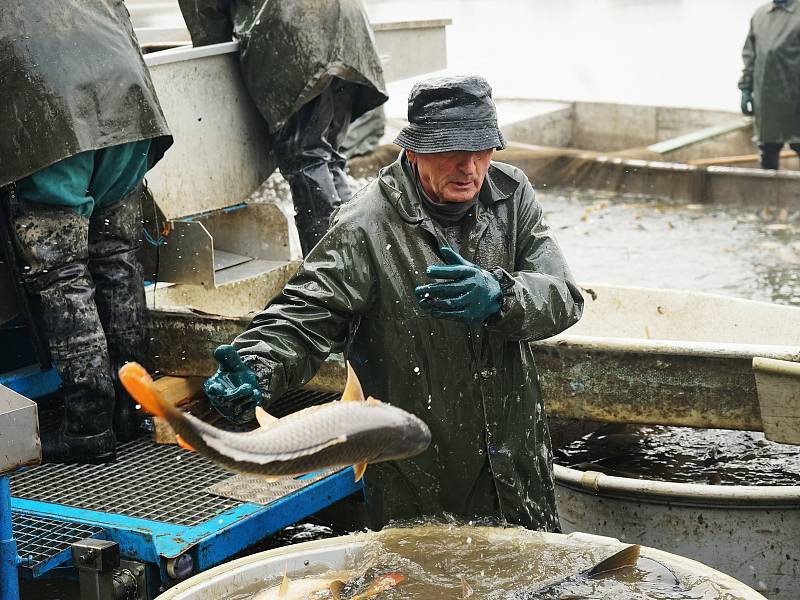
(335, 434)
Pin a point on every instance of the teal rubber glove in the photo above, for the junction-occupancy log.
(233, 390)
(747, 102)
(468, 293)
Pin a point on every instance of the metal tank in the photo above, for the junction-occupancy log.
(344, 552)
(749, 532)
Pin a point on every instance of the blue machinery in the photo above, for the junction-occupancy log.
(142, 523)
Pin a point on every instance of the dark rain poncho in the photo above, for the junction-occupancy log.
(291, 48)
(772, 71)
(72, 79)
(475, 386)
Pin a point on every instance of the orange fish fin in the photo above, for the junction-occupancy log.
(140, 386)
(352, 389)
(336, 588)
(283, 589)
(359, 470)
(265, 420)
(184, 444)
(466, 589)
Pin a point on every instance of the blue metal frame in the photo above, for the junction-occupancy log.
(9, 579)
(31, 381)
(211, 542)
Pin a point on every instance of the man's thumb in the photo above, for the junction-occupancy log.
(228, 358)
(452, 257)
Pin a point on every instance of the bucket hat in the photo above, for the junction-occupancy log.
(451, 113)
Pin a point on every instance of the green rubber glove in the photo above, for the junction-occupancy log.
(468, 293)
(747, 102)
(234, 389)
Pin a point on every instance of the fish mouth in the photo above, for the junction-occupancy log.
(414, 438)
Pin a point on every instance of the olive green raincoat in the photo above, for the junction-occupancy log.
(72, 79)
(772, 71)
(475, 386)
(291, 48)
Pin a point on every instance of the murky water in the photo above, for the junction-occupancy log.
(684, 455)
(643, 241)
(430, 563)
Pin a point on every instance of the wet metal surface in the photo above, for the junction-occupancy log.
(156, 482)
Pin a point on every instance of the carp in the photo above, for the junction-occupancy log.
(350, 431)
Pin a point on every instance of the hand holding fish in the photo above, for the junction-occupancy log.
(234, 389)
(350, 431)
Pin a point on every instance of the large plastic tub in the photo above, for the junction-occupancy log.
(750, 532)
(343, 552)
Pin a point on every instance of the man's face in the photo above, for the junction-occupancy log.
(451, 176)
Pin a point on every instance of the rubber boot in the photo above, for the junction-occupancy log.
(770, 155)
(52, 246)
(114, 238)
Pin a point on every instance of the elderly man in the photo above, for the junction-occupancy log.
(311, 68)
(81, 125)
(432, 280)
(770, 81)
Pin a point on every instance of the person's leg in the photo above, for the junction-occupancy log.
(115, 233)
(50, 232)
(770, 155)
(303, 155)
(344, 94)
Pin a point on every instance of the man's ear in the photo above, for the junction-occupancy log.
(411, 156)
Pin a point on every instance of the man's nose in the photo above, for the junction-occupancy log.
(467, 165)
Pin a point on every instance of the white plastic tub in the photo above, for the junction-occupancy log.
(750, 532)
(343, 552)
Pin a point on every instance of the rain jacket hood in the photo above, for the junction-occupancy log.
(290, 49)
(475, 386)
(73, 79)
(771, 71)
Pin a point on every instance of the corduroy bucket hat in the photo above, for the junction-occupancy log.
(451, 113)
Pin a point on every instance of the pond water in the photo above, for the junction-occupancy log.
(643, 241)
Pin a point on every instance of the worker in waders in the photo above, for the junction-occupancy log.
(311, 68)
(432, 280)
(770, 81)
(80, 126)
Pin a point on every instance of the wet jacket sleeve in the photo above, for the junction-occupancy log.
(208, 21)
(541, 297)
(749, 58)
(316, 314)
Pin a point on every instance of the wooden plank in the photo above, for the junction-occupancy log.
(778, 384)
(701, 135)
(733, 160)
(185, 393)
(179, 390)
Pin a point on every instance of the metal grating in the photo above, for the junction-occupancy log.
(261, 491)
(148, 481)
(298, 400)
(40, 539)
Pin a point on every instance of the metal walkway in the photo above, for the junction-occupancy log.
(160, 502)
